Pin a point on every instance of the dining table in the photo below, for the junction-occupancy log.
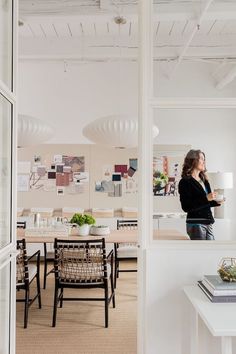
(42, 235)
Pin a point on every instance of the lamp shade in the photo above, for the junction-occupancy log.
(115, 131)
(221, 180)
(32, 131)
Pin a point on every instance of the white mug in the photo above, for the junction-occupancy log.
(219, 197)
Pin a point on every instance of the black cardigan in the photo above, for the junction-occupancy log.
(194, 201)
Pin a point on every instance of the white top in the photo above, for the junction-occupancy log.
(219, 317)
(202, 184)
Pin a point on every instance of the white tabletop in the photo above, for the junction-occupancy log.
(219, 318)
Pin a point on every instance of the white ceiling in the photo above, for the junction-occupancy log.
(85, 30)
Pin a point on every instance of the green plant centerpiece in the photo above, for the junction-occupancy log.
(83, 221)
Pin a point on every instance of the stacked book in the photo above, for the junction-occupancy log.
(218, 290)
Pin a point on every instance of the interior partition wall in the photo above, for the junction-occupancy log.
(8, 57)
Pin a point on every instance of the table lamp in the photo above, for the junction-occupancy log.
(220, 181)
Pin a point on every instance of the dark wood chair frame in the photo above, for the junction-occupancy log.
(21, 224)
(21, 244)
(120, 224)
(60, 286)
(46, 259)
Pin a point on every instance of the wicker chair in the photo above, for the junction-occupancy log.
(125, 251)
(25, 274)
(79, 265)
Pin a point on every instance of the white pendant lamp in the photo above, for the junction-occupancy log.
(115, 131)
(32, 131)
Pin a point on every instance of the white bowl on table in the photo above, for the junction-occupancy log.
(99, 230)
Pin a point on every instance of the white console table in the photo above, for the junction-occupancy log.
(219, 318)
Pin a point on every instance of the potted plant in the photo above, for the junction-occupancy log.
(160, 180)
(83, 222)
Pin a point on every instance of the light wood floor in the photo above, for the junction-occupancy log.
(80, 325)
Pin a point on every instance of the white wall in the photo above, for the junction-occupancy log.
(69, 100)
(190, 79)
(167, 309)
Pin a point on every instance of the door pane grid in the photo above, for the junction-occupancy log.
(5, 169)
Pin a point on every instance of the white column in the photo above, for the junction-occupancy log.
(144, 159)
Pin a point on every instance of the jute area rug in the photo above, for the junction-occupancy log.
(80, 325)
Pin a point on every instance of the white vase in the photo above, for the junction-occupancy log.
(84, 230)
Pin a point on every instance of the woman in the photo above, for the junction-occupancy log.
(196, 197)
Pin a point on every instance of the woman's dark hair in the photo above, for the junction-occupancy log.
(190, 163)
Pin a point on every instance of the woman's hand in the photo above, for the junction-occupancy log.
(221, 201)
(211, 196)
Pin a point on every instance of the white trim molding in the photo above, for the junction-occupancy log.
(192, 102)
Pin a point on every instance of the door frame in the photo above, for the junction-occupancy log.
(8, 253)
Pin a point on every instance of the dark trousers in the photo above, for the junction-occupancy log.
(200, 232)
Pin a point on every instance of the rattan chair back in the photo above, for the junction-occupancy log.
(80, 262)
(127, 224)
(22, 271)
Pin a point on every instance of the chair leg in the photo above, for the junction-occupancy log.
(115, 280)
(26, 308)
(55, 306)
(61, 298)
(39, 290)
(118, 269)
(112, 292)
(116, 272)
(45, 265)
(106, 305)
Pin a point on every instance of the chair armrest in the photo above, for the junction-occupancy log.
(110, 255)
(37, 255)
(110, 260)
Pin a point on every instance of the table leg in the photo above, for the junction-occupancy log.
(194, 334)
(226, 345)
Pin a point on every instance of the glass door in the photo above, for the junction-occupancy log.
(5, 168)
(5, 306)
(8, 45)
